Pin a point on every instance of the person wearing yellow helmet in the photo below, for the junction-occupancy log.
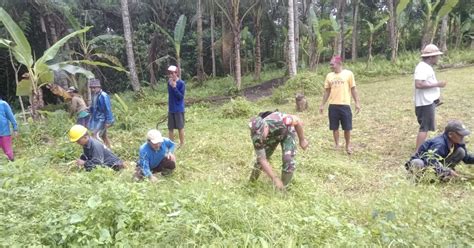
(94, 152)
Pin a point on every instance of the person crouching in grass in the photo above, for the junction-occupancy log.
(443, 152)
(94, 153)
(156, 155)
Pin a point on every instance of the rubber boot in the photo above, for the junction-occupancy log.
(255, 174)
(286, 177)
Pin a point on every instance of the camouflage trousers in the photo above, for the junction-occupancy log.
(288, 147)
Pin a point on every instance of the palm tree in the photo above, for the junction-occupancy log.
(129, 46)
(291, 39)
(200, 62)
(257, 19)
(355, 23)
(232, 15)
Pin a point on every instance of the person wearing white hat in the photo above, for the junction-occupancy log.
(427, 92)
(155, 155)
(176, 91)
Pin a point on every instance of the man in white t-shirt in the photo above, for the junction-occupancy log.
(427, 92)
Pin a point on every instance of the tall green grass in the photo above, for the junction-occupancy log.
(334, 200)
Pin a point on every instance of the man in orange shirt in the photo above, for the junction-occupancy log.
(339, 86)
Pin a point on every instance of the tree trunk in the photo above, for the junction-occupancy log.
(17, 69)
(425, 40)
(291, 40)
(371, 38)
(341, 7)
(236, 33)
(213, 46)
(129, 45)
(297, 31)
(444, 34)
(43, 29)
(36, 102)
(151, 59)
(226, 49)
(258, 33)
(392, 28)
(200, 64)
(52, 29)
(355, 18)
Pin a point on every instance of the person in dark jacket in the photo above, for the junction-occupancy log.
(443, 152)
(94, 152)
(176, 91)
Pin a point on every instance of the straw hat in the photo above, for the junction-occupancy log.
(430, 50)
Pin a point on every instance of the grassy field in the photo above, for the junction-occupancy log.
(335, 200)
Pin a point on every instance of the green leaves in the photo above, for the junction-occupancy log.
(401, 6)
(76, 218)
(53, 50)
(446, 8)
(21, 47)
(94, 201)
(179, 29)
(24, 88)
(72, 69)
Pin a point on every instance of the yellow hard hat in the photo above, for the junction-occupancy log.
(76, 132)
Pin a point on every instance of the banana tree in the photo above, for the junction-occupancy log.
(319, 33)
(432, 19)
(372, 30)
(177, 38)
(39, 73)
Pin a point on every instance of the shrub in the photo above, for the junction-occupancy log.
(308, 83)
(236, 108)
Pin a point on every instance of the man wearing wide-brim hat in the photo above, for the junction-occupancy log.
(427, 92)
(443, 152)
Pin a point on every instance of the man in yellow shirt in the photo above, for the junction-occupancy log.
(339, 86)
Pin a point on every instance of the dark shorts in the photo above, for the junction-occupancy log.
(425, 116)
(340, 114)
(175, 120)
(166, 166)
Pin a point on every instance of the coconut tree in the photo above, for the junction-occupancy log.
(395, 10)
(372, 30)
(129, 46)
(232, 14)
(291, 39)
(199, 34)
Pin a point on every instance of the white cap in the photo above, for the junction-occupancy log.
(172, 68)
(154, 136)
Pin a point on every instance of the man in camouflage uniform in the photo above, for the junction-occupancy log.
(269, 129)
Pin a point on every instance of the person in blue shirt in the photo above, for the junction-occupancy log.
(176, 91)
(101, 116)
(7, 118)
(443, 152)
(156, 155)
